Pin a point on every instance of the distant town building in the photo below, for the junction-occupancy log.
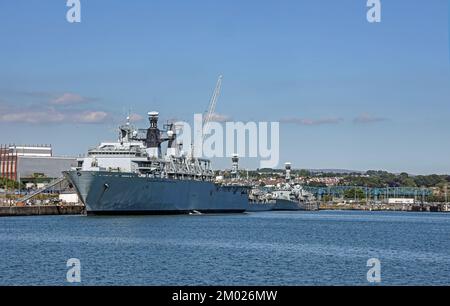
(401, 201)
(29, 162)
(328, 181)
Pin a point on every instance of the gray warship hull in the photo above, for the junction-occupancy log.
(112, 193)
(276, 205)
(287, 205)
(256, 206)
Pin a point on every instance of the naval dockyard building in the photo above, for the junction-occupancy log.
(32, 162)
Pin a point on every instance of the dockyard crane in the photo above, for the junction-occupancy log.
(209, 114)
(213, 102)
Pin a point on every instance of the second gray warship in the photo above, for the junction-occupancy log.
(283, 197)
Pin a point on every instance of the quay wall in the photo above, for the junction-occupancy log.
(46, 210)
(397, 207)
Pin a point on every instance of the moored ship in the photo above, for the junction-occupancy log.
(132, 176)
(283, 197)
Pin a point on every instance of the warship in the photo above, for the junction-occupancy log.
(283, 197)
(132, 176)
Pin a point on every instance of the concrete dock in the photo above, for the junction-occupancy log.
(41, 210)
(417, 207)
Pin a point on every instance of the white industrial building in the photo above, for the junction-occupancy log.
(404, 201)
(29, 162)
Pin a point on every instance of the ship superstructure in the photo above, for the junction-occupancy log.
(139, 151)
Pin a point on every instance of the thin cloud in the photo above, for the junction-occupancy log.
(53, 98)
(69, 99)
(33, 117)
(312, 122)
(30, 94)
(51, 108)
(216, 117)
(49, 115)
(136, 117)
(90, 117)
(366, 118)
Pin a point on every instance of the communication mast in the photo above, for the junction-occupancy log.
(235, 167)
(288, 167)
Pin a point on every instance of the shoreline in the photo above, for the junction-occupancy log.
(53, 210)
(406, 208)
(44, 210)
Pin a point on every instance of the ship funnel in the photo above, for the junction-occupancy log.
(153, 140)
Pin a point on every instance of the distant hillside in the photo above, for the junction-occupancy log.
(315, 171)
(337, 171)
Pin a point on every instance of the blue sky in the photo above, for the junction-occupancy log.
(349, 94)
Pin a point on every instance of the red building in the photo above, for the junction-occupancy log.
(8, 163)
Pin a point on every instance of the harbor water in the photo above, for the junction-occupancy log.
(265, 248)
